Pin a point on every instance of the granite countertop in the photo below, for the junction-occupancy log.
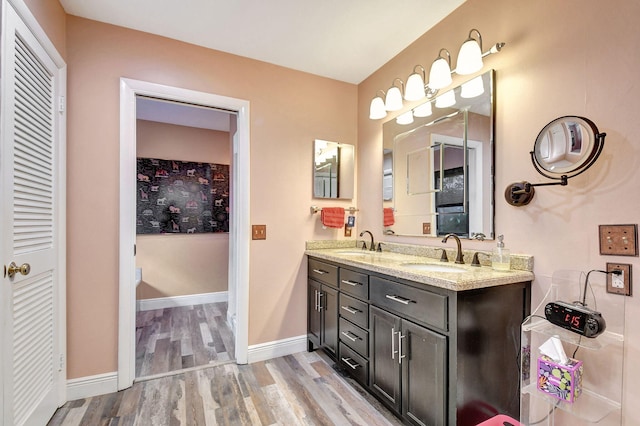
(397, 260)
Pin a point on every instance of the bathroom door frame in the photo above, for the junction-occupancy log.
(239, 237)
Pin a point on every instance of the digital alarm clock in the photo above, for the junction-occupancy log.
(576, 318)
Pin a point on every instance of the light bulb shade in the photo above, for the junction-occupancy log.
(405, 118)
(377, 109)
(440, 74)
(423, 110)
(469, 58)
(446, 100)
(414, 90)
(393, 101)
(472, 88)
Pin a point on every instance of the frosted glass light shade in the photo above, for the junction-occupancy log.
(377, 109)
(405, 118)
(393, 101)
(440, 74)
(423, 110)
(414, 91)
(472, 88)
(469, 58)
(445, 100)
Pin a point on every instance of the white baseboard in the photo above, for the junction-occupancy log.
(175, 301)
(265, 351)
(86, 387)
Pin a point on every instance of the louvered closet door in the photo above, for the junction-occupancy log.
(30, 351)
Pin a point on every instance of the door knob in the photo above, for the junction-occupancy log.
(24, 269)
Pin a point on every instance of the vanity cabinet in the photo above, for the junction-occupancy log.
(322, 307)
(432, 355)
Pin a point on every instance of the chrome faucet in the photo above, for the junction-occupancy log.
(459, 252)
(372, 247)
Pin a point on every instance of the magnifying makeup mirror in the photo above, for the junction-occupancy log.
(566, 147)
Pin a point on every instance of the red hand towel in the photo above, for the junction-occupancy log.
(332, 217)
(388, 216)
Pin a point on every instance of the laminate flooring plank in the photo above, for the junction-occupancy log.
(194, 408)
(225, 333)
(174, 356)
(302, 402)
(130, 403)
(227, 391)
(247, 376)
(200, 354)
(209, 403)
(262, 374)
(161, 357)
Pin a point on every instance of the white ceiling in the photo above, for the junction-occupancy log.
(346, 40)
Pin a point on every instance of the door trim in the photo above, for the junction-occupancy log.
(239, 248)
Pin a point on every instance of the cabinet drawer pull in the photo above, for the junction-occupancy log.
(346, 361)
(320, 271)
(349, 336)
(320, 294)
(393, 343)
(353, 283)
(399, 299)
(351, 310)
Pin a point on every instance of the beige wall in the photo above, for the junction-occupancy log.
(289, 109)
(52, 18)
(178, 265)
(562, 57)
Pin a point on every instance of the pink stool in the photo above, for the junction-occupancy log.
(500, 420)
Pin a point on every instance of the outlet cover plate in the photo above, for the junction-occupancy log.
(612, 282)
(426, 228)
(618, 240)
(259, 232)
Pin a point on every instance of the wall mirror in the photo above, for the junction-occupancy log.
(333, 169)
(438, 168)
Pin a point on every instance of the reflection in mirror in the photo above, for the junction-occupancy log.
(438, 171)
(333, 170)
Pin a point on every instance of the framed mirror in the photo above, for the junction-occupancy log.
(333, 169)
(438, 165)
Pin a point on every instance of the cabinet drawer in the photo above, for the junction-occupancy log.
(323, 272)
(355, 337)
(420, 305)
(356, 365)
(354, 310)
(354, 283)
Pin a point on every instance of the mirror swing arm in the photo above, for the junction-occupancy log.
(521, 193)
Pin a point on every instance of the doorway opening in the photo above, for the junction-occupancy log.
(239, 229)
(182, 236)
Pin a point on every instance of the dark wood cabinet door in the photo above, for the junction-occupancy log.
(330, 319)
(424, 375)
(384, 369)
(313, 314)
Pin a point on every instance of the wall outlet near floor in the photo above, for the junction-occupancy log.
(258, 232)
(619, 283)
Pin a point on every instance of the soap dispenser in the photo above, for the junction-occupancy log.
(501, 258)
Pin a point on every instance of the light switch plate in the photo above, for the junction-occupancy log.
(259, 232)
(619, 284)
(426, 228)
(619, 240)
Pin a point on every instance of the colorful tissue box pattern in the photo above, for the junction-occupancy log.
(563, 382)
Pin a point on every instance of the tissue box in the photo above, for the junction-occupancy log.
(563, 382)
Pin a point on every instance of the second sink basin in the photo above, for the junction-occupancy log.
(430, 267)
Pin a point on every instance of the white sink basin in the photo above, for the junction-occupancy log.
(357, 252)
(430, 267)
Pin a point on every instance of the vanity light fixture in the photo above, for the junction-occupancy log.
(472, 88)
(470, 55)
(469, 61)
(405, 118)
(446, 99)
(393, 100)
(377, 109)
(423, 110)
(440, 74)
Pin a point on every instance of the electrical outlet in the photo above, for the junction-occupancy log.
(619, 284)
(619, 240)
(347, 230)
(259, 232)
(426, 228)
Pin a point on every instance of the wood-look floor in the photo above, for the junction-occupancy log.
(172, 339)
(299, 389)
